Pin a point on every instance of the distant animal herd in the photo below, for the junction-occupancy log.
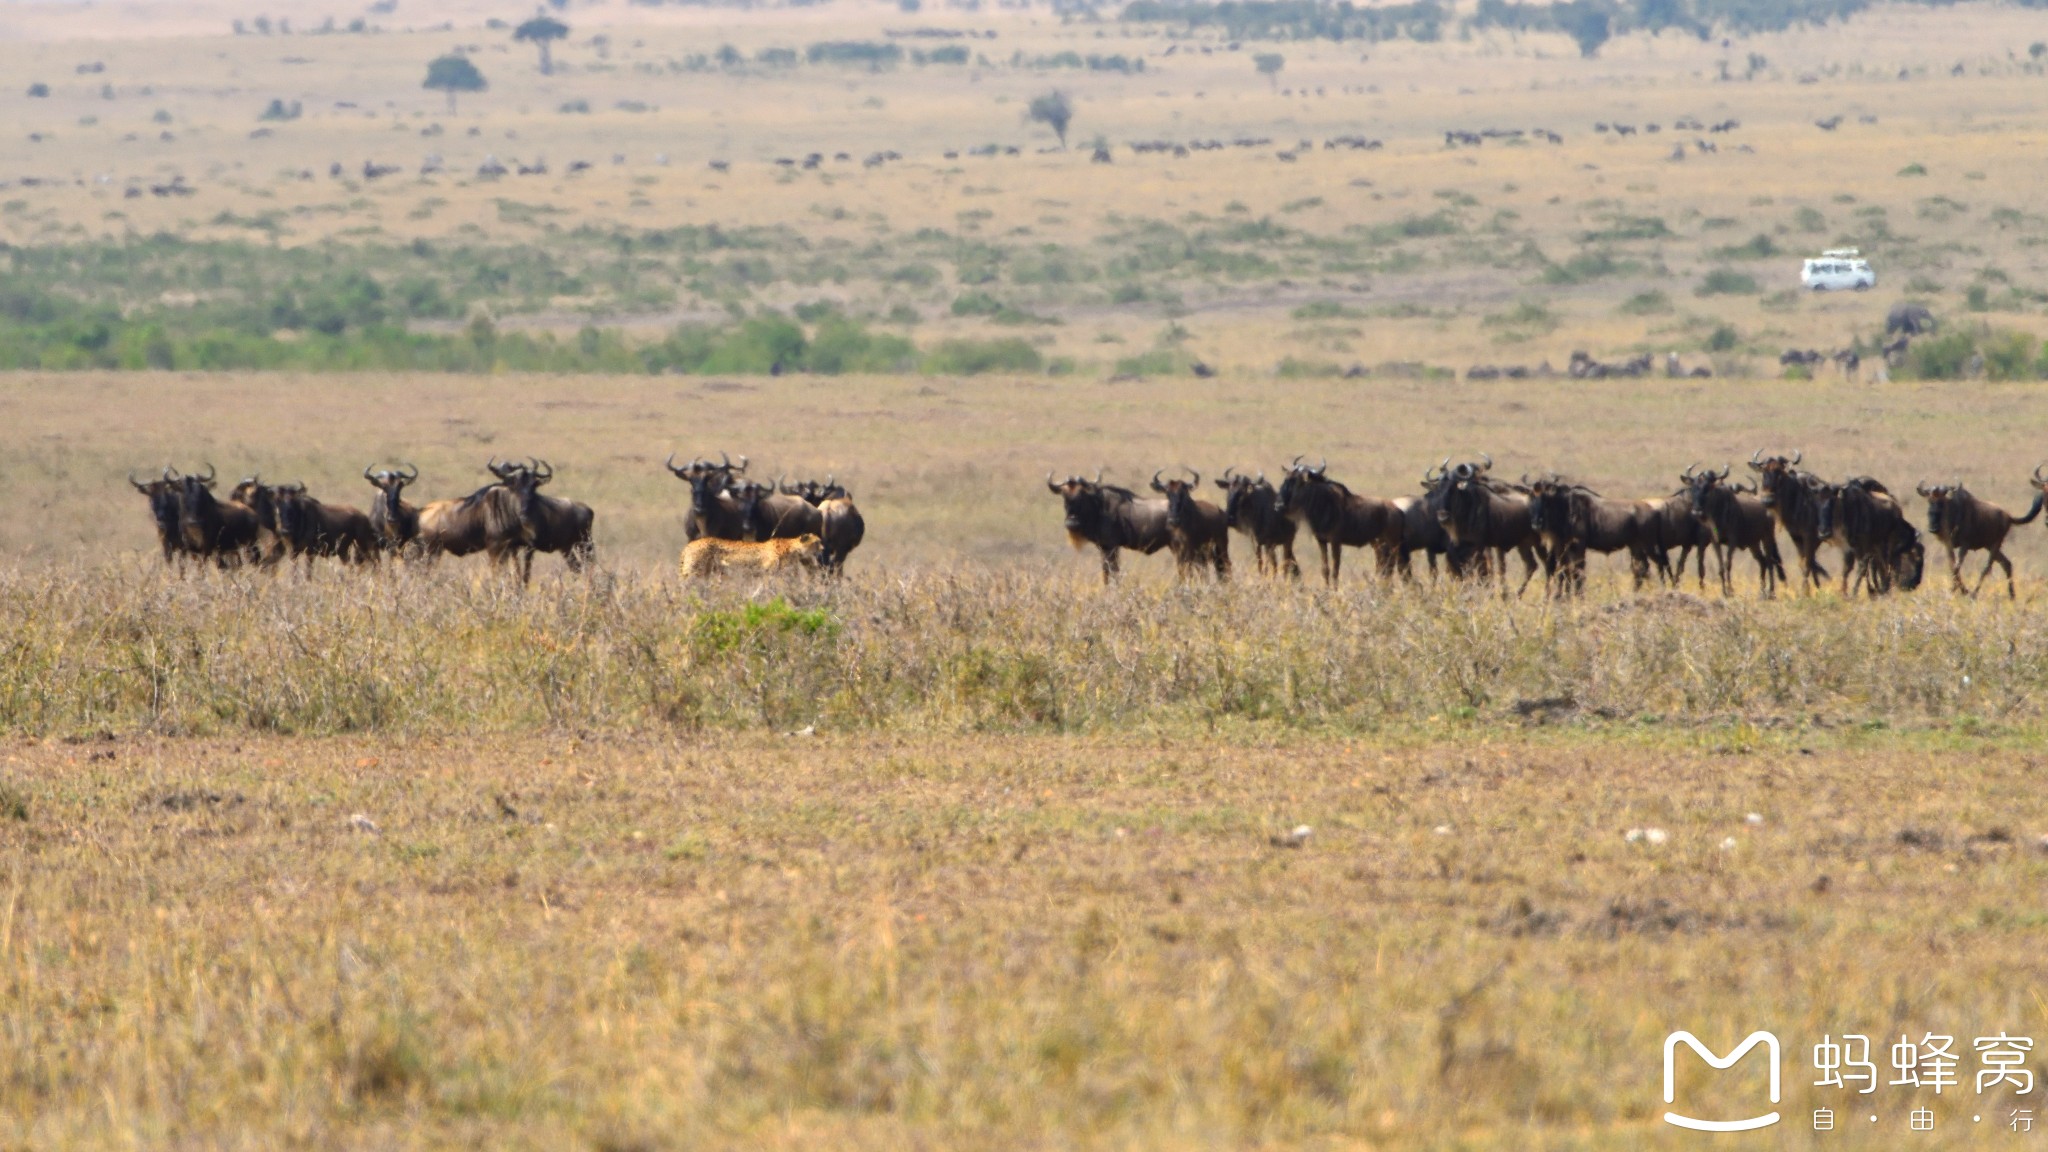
(1471, 521)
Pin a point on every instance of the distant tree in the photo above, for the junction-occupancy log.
(1269, 65)
(1588, 22)
(1053, 111)
(2037, 49)
(38, 90)
(542, 31)
(454, 73)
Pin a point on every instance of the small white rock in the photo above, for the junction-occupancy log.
(1656, 835)
(806, 730)
(1754, 818)
(1443, 829)
(362, 823)
(1728, 845)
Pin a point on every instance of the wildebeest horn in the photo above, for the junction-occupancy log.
(367, 476)
(1921, 488)
(2038, 478)
(1049, 485)
(1294, 463)
(138, 484)
(1488, 466)
(411, 473)
(211, 474)
(1727, 466)
(1156, 485)
(1685, 477)
(1262, 477)
(670, 464)
(1797, 456)
(1195, 477)
(1757, 461)
(1098, 476)
(171, 473)
(1322, 467)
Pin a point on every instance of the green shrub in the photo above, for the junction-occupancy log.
(1943, 357)
(2010, 356)
(1326, 310)
(1757, 247)
(1651, 303)
(973, 357)
(1586, 266)
(858, 52)
(1727, 282)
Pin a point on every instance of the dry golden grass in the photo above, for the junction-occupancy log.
(855, 943)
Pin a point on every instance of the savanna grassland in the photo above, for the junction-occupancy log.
(966, 850)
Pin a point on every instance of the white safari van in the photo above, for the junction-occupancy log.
(1836, 269)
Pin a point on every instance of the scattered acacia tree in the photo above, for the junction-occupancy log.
(1269, 65)
(1588, 22)
(542, 31)
(38, 90)
(1053, 111)
(454, 73)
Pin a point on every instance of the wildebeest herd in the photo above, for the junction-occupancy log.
(1470, 521)
(508, 520)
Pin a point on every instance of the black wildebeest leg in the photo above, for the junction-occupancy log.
(1528, 569)
(1997, 557)
(1334, 565)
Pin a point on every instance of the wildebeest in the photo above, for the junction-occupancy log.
(487, 520)
(1880, 548)
(843, 526)
(1738, 520)
(1338, 518)
(1673, 526)
(1198, 531)
(166, 497)
(548, 523)
(395, 521)
(226, 530)
(1251, 506)
(1110, 518)
(767, 513)
(1790, 495)
(1572, 520)
(1482, 514)
(1966, 524)
(309, 528)
(714, 509)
